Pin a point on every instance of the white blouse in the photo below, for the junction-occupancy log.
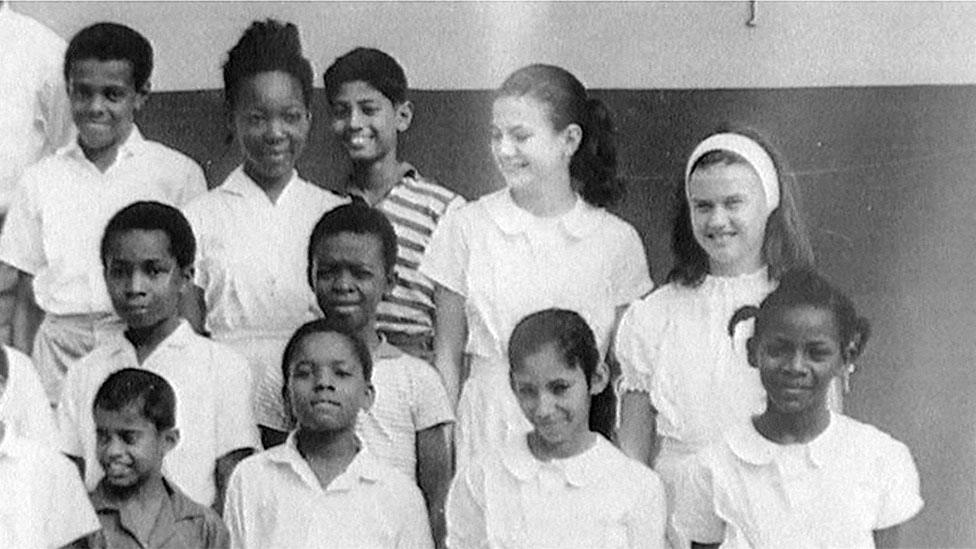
(747, 491)
(675, 345)
(599, 498)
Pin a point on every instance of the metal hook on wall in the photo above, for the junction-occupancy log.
(753, 13)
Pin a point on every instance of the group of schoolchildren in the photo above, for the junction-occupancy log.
(271, 364)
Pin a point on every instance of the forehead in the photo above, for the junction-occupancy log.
(129, 418)
(802, 322)
(323, 348)
(112, 72)
(140, 244)
(546, 362)
(270, 88)
(522, 110)
(723, 180)
(364, 248)
(358, 91)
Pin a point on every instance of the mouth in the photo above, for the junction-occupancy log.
(722, 238)
(357, 141)
(117, 469)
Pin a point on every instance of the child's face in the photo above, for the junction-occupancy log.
(728, 217)
(554, 396)
(350, 279)
(128, 446)
(143, 278)
(104, 102)
(526, 147)
(271, 123)
(366, 122)
(798, 354)
(326, 388)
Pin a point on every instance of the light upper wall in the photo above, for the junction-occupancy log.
(473, 45)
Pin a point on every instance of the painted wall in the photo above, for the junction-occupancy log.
(608, 45)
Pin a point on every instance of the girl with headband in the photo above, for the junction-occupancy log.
(543, 241)
(683, 379)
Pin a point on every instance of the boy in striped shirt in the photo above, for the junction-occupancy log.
(366, 90)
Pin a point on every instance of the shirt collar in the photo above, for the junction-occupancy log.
(579, 471)
(181, 337)
(407, 171)
(386, 350)
(751, 447)
(511, 219)
(362, 468)
(133, 145)
(241, 184)
(183, 507)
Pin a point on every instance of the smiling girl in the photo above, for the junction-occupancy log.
(683, 381)
(563, 484)
(544, 240)
(253, 229)
(799, 475)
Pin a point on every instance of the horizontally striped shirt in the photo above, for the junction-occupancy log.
(414, 207)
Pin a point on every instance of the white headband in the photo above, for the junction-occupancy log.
(752, 152)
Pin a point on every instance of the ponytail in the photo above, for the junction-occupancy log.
(594, 165)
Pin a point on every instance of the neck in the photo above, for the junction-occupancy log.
(273, 187)
(370, 336)
(550, 200)
(375, 179)
(738, 268)
(145, 339)
(104, 157)
(545, 451)
(144, 493)
(797, 428)
(327, 445)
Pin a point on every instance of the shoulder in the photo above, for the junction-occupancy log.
(321, 195)
(89, 371)
(628, 474)
(652, 309)
(173, 157)
(428, 187)
(869, 441)
(221, 359)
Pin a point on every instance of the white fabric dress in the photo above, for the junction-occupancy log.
(508, 263)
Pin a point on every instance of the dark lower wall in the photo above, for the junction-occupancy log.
(888, 181)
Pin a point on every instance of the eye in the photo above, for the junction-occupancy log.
(101, 437)
(525, 391)
(777, 350)
(338, 110)
(254, 118)
(130, 437)
(703, 207)
(301, 370)
(294, 117)
(820, 353)
(495, 135)
(115, 94)
(521, 136)
(734, 202)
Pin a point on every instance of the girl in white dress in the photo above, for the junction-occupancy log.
(563, 484)
(252, 230)
(684, 380)
(799, 475)
(545, 240)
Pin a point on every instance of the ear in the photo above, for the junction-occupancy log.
(404, 115)
(369, 396)
(391, 281)
(142, 96)
(573, 136)
(752, 350)
(186, 274)
(600, 378)
(171, 437)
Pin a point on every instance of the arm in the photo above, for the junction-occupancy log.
(648, 524)
(466, 513)
(449, 339)
(887, 537)
(9, 276)
(637, 435)
(434, 472)
(193, 308)
(27, 315)
(224, 468)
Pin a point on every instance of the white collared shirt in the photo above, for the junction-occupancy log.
(252, 255)
(35, 115)
(599, 498)
(274, 500)
(44, 504)
(410, 397)
(508, 263)
(747, 491)
(24, 407)
(63, 203)
(213, 405)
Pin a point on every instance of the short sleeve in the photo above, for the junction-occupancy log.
(414, 530)
(647, 521)
(70, 515)
(900, 499)
(234, 511)
(631, 275)
(465, 510)
(26, 408)
(195, 183)
(694, 516)
(70, 439)
(446, 258)
(54, 110)
(21, 241)
(430, 405)
(635, 346)
(236, 426)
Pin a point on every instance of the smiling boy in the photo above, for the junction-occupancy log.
(367, 93)
(148, 250)
(63, 202)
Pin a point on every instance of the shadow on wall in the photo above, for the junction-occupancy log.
(888, 182)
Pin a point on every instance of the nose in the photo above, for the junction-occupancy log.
(342, 281)
(114, 447)
(96, 103)
(545, 406)
(276, 129)
(503, 147)
(356, 119)
(324, 380)
(794, 363)
(138, 283)
(718, 217)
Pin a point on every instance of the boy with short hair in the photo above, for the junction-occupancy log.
(148, 250)
(367, 93)
(135, 425)
(63, 202)
(43, 503)
(352, 255)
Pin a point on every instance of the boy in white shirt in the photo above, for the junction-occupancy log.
(148, 253)
(63, 202)
(352, 253)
